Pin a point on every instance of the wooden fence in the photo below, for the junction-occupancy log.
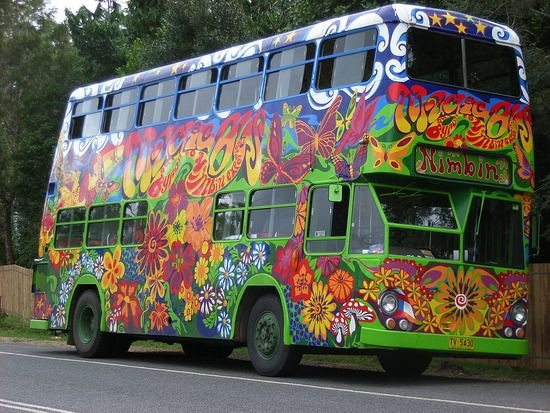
(15, 290)
(15, 298)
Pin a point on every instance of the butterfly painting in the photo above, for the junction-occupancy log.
(290, 115)
(105, 187)
(275, 167)
(388, 154)
(346, 170)
(359, 123)
(321, 140)
(524, 170)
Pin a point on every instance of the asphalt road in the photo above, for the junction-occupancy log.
(40, 378)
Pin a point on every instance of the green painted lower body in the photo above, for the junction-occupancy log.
(40, 324)
(374, 338)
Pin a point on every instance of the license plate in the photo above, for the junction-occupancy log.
(461, 343)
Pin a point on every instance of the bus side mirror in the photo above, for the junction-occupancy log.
(335, 193)
(534, 239)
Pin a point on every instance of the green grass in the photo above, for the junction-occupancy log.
(18, 328)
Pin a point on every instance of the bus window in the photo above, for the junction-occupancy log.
(228, 216)
(196, 93)
(103, 224)
(156, 102)
(133, 223)
(461, 62)
(240, 84)
(494, 234)
(69, 228)
(120, 110)
(346, 60)
(367, 228)
(327, 222)
(86, 118)
(271, 213)
(289, 72)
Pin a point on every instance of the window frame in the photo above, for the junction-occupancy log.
(221, 83)
(102, 220)
(141, 102)
(134, 103)
(378, 207)
(319, 58)
(463, 40)
(243, 209)
(180, 92)
(268, 71)
(389, 225)
(249, 208)
(74, 104)
(345, 237)
(68, 223)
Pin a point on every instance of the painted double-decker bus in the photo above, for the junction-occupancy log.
(361, 184)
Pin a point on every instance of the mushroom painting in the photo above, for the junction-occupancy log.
(355, 311)
(339, 327)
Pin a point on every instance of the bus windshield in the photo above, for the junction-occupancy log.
(432, 213)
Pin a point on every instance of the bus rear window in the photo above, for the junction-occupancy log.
(461, 62)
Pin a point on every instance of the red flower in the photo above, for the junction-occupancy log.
(179, 266)
(159, 316)
(153, 251)
(286, 260)
(177, 200)
(125, 299)
(301, 281)
(327, 264)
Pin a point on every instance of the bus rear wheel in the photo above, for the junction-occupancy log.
(267, 351)
(89, 340)
(404, 363)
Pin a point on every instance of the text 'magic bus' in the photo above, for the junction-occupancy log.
(361, 184)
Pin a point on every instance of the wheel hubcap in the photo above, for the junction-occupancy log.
(266, 337)
(85, 324)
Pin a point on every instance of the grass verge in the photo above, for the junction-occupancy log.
(18, 328)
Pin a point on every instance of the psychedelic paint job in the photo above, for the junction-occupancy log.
(180, 282)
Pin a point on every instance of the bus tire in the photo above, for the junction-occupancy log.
(89, 340)
(264, 336)
(206, 350)
(404, 363)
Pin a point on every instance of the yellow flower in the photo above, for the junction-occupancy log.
(176, 229)
(114, 270)
(370, 290)
(401, 279)
(384, 276)
(216, 254)
(201, 271)
(155, 284)
(318, 311)
(430, 324)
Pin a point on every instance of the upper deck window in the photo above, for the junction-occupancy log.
(120, 110)
(289, 72)
(86, 118)
(196, 93)
(461, 62)
(156, 102)
(346, 60)
(240, 84)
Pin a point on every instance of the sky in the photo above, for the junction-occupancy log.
(72, 5)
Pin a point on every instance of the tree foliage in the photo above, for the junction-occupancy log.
(41, 61)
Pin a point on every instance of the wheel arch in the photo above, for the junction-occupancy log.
(84, 283)
(255, 287)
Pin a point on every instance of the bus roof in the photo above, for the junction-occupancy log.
(426, 17)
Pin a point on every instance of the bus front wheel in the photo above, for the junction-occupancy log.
(89, 340)
(267, 351)
(404, 363)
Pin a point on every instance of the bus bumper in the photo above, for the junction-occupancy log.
(40, 324)
(439, 343)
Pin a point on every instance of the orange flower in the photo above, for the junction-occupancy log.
(216, 253)
(199, 223)
(159, 317)
(340, 284)
(114, 270)
(301, 281)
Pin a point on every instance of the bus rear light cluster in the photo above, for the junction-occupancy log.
(519, 314)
